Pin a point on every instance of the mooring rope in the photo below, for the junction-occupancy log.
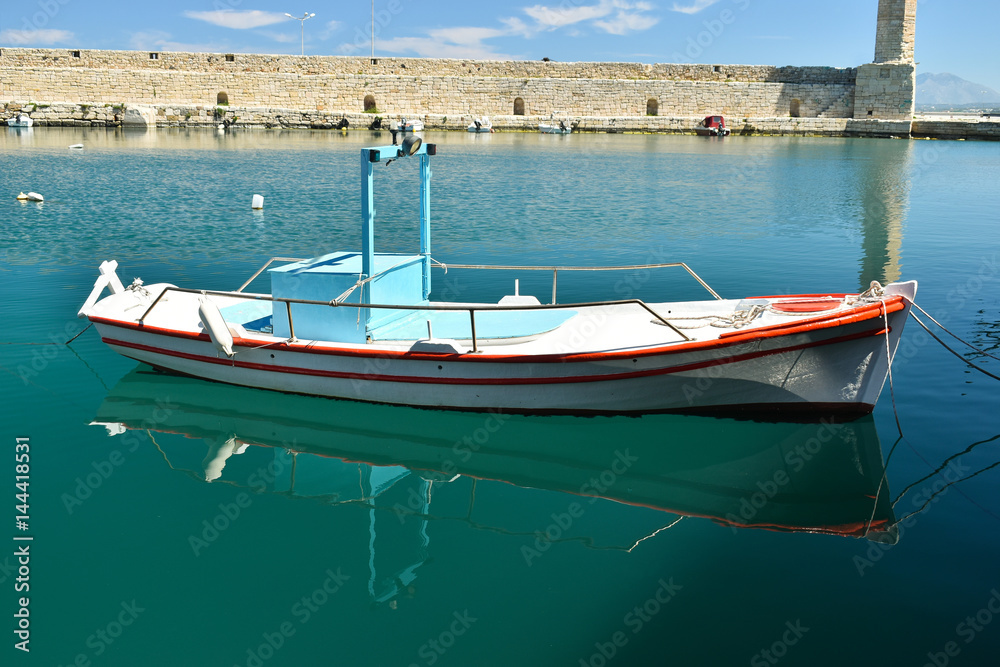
(888, 359)
(945, 346)
(51, 342)
(934, 496)
(944, 464)
(931, 318)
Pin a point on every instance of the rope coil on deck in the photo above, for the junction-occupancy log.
(738, 320)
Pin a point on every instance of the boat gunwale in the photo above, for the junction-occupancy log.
(869, 311)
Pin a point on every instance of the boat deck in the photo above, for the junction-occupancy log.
(621, 326)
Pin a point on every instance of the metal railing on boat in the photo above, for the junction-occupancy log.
(556, 269)
(339, 303)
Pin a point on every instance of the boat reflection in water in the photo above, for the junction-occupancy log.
(817, 478)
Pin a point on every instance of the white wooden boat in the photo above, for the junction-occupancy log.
(480, 125)
(20, 120)
(359, 325)
(414, 125)
(561, 127)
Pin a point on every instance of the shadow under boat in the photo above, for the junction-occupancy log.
(818, 478)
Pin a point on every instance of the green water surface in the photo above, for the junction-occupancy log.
(181, 522)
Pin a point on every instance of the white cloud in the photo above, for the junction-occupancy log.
(695, 8)
(448, 43)
(617, 17)
(238, 19)
(149, 39)
(157, 40)
(329, 29)
(550, 18)
(624, 22)
(35, 37)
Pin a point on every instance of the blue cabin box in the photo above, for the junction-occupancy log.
(400, 280)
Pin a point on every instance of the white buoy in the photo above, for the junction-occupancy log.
(34, 196)
(257, 202)
(22, 197)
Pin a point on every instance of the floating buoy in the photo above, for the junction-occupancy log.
(257, 202)
(22, 197)
(34, 196)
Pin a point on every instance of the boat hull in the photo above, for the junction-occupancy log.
(833, 366)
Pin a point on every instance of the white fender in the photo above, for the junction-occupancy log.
(215, 325)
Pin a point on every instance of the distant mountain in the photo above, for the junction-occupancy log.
(948, 89)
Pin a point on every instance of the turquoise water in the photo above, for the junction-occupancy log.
(339, 533)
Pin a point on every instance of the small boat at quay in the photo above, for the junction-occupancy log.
(480, 125)
(555, 128)
(20, 120)
(405, 125)
(360, 325)
(712, 126)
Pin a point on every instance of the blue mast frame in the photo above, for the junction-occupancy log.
(369, 158)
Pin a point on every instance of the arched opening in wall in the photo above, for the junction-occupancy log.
(222, 98)
(652, 107)
(370, 106)
(518, 106)
(795, 108)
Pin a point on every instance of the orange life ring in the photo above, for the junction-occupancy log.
(806, 306)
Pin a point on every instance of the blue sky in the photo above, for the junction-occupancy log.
(956, 37)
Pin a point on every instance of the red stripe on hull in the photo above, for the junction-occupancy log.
(295, 370)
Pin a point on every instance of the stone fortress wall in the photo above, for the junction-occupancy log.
(88, 87)
(417, 86)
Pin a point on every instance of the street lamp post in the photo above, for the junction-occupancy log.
(302, 21)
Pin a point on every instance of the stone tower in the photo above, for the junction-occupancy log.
(885, 87)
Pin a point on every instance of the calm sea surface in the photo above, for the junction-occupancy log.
(181, 522)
